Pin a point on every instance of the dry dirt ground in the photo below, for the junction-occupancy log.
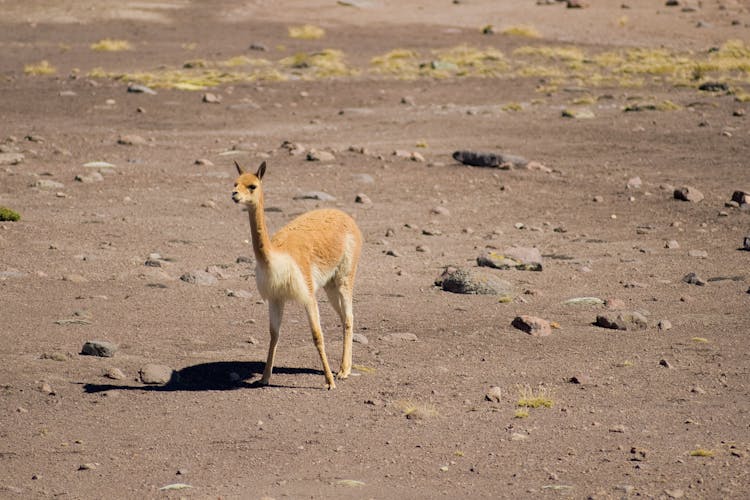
(660, 413)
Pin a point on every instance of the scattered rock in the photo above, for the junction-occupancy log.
(131, 140)
(746, 243)
(576, 4)
(210, 98)
(360, 339)
(626, 320)
(687, 193)
(471, 281)
(315, 195)
(363, 199)
(319, 155)
(672, 244)
(522, 258)
(46, 388)
(203, 162)
(698, 254)
(258, 46)
(100, 348)
(409, 155)
(155, 374)
(140, 89)
(48, 184)
(90, 178)
(114, 374)
(634, 183)
(440, 211)
(741, 197)
(579, 114)
(11, 158)
(585, 301)
(399, 337)
(581, 379)
(240, 294)
(199, 277)
(664, 325)
(494, 394)
(693, 279)
(714, 87)
(479, 159)
(536, 327)
(88, 466)
(665, 363)
(614, 304)
(674, 493)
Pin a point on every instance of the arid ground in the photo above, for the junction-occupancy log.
(122, 193)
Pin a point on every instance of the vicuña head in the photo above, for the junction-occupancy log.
(318, 249)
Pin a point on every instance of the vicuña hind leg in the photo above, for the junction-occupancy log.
(275, 313)
(340, 297)
(313, 316)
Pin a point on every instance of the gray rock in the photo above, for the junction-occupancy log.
(114, 374)
(140, 89)
(626, 320)
(581, 379)
(11, 158)
(240, 294)
(479, 159)
(687, 193)
(440, 210)
(672, 244)
(522, 258)
(363, 178)
(210, 98)
(664, 325)
(399, 337)
(494, 394)
(473, 281)
(360, 339)
(363, 199)
(693, 279)
(48, 184)
(155, 374)
(536, 327)
(741, 197)
(131, 140)
(634, 183)
(90, 178)
(203, 162)
(746, 243)
(698, 254)
(199, 277)
(100, 348)
(315, 195)
(665, 363)
(318, 155)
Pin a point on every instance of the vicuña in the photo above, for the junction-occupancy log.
(318, 249)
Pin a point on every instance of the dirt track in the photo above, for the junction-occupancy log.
(413, 421)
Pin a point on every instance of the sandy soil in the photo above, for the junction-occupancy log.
(661, 413)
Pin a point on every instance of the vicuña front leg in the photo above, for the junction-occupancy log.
(313, 317)
(275, 313)
(340, 297)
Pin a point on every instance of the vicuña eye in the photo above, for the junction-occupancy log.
(252, 187)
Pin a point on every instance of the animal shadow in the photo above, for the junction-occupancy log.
(216, 376)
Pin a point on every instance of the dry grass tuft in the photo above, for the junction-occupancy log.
(522, 31)
(306, 32)
(531, 398)
(110, 45)
(41, 68)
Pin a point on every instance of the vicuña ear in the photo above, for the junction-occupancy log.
(261, 170)
(239, 169)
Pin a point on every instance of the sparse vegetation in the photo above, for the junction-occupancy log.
(534, 398)
(41, 68)
(416, 411)
(701, 452)
(8, 215)
(110, 45)
(521, 413)
(306, 32)
(523, 31)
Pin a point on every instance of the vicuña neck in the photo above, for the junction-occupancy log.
(259, 234)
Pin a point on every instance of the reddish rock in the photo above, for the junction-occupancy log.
(534, 326)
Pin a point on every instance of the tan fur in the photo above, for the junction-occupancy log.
(319, 249)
